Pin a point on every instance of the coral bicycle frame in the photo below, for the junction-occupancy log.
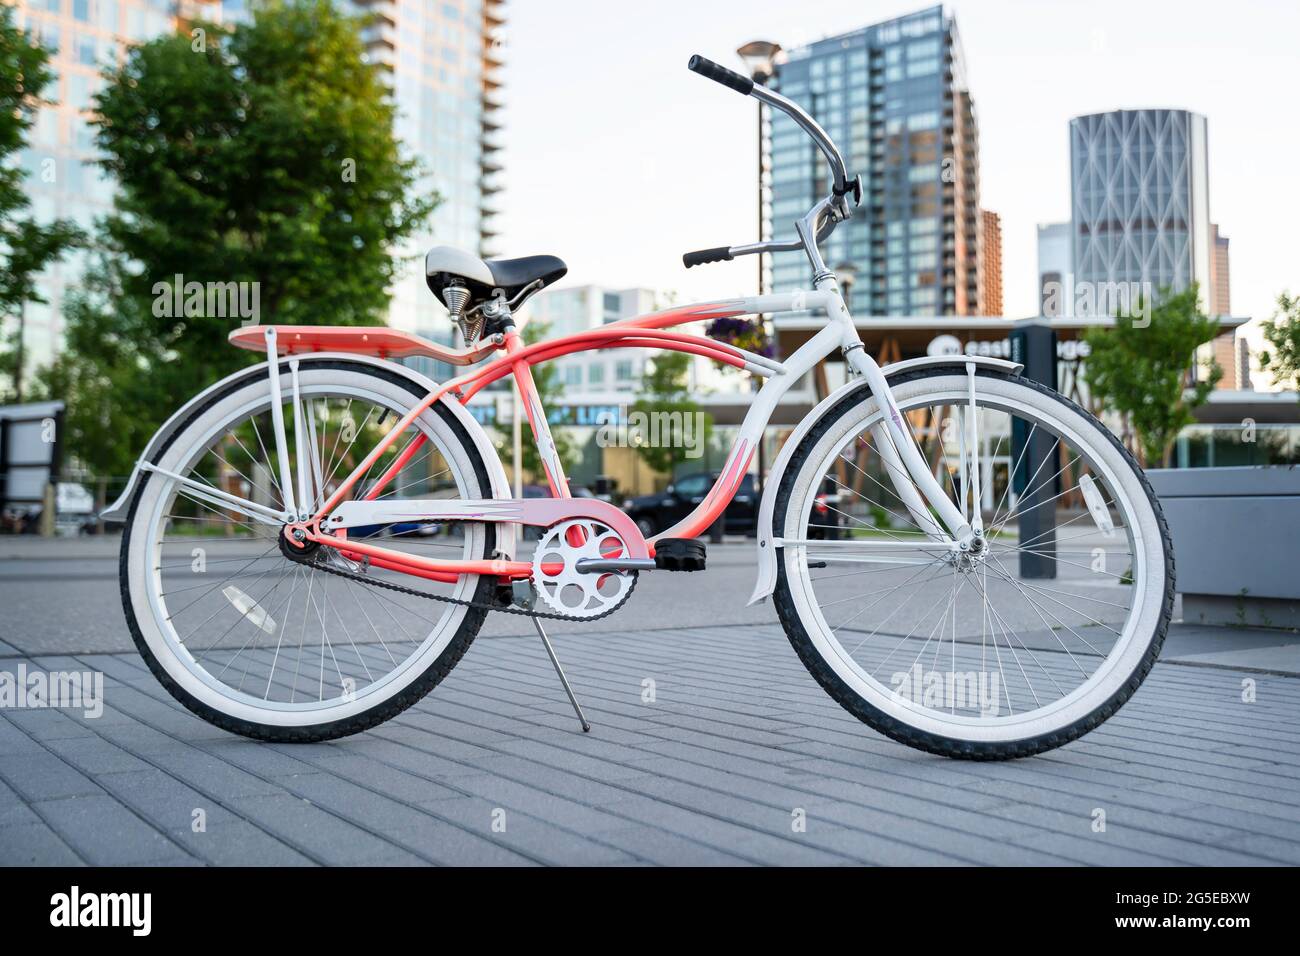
(326, 524)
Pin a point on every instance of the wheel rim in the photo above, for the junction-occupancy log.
(261, 637)
(1006, 674)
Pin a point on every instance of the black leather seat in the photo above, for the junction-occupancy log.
(513, 275)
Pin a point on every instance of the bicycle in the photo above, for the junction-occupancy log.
(351, 583)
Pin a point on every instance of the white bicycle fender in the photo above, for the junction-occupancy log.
(766, 582)
(501, 487)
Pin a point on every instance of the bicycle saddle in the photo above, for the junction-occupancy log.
(446, 264)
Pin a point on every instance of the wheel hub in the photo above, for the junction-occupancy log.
(969, 557)
(294, 544)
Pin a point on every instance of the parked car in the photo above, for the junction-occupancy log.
(655, 513)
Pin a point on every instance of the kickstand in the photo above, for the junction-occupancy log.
(550, 651)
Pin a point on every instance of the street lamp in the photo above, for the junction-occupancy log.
(761, 58)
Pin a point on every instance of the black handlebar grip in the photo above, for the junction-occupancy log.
(720, 74)
(698, 258)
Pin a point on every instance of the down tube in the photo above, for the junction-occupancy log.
(751, 433)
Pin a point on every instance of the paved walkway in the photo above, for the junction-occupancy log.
(739, 758)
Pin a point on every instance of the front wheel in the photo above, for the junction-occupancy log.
(1022, 642)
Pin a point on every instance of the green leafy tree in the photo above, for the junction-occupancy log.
(667, 398)
(26, 247)
(1282, 331)
(259, 160)
(1139, 370)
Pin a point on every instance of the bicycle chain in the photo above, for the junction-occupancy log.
(506, 608)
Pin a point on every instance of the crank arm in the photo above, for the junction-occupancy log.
(596, 565)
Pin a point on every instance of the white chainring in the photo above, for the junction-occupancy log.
(572, 592)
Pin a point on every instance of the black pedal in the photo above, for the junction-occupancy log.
(679, 554)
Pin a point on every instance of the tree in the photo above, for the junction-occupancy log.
(667, 403)
(1140, 371)
(26, 248)
(257, 162)
(1283, 333)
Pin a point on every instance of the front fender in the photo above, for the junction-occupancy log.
(766, 582)
(496, 472)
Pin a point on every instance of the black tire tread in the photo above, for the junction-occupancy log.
(895, 729)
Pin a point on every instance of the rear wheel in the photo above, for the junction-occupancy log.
(1027, 643)
(265, 642)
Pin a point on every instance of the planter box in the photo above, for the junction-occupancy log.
(1236, 538)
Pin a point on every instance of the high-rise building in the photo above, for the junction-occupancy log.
(1140, 204)
(1220, 298)
(894, 97)
(443, 61)
(990, 301)
(1227, 350)
(1055, 265)
(62, 180)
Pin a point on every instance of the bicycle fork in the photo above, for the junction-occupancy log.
(900, 452)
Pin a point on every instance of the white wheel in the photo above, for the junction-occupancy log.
(1011, 647)
(274, 646)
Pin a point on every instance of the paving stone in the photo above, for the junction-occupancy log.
(34, 844)
(104, 832)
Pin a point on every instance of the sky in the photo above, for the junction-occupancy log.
(618, 159)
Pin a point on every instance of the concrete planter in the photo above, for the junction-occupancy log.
(1236, 538)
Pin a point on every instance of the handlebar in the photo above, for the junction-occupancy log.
(720, 74)
(823, 217)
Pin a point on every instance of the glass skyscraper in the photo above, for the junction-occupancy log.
(62, 179)
(894, 98)
(1140, 199)
(442, 59)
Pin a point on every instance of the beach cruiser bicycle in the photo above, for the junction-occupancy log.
(965, 560)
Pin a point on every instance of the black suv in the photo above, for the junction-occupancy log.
(655, 513)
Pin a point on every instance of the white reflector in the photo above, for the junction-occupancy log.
(1096, 507)
(246, 606)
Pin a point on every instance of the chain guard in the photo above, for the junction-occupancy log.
(317, 564)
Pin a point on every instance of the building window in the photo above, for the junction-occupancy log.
(623, 370)
(596, 374)
(86, 50)
(923, 48)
